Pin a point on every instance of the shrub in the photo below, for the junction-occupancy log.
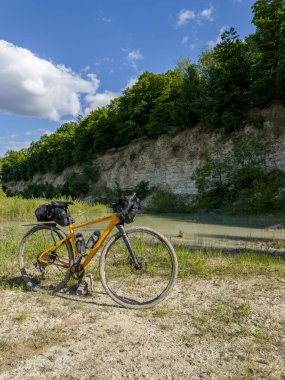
(165, 201)
(239, 181)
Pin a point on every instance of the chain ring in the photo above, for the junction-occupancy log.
(79, 271)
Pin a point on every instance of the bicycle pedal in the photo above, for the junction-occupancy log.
(85, 286)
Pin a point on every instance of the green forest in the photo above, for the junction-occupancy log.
(217, 92)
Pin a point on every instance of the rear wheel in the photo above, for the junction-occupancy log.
(52, 275)
(143, 284)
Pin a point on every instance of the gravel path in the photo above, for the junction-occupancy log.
(207, 329)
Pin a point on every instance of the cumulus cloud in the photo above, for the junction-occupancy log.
(131, 82)
(134, 56)
(184, 16)
(99, 100)
(33, 86)
(208, 13)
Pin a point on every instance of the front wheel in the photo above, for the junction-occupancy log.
(142, 284)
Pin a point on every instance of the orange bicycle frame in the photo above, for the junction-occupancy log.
(114, 221)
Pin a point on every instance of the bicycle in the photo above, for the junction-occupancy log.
(138, 266)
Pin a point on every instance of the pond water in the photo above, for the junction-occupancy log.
(217, 230)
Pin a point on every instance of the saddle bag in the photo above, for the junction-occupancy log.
(51, 213)
(44, 213)
(61, 216)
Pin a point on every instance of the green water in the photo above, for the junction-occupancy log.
(217, 230)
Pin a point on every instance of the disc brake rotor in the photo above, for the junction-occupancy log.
(142, 266)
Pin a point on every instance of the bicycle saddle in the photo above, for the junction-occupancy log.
(61, 203)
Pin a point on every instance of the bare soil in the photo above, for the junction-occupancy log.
(207, 329)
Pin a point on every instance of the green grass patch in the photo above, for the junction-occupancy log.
(9, 245)
(22, 317)
(19, 209)
(210, 263)
(160, 313)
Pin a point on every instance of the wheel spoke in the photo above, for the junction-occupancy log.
(135, 287)
(39, 275)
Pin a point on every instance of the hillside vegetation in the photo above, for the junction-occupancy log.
(218, 93)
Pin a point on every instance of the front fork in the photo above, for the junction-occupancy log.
(134, 260)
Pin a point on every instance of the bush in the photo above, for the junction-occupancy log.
(231, 121)
(77, 185)
(239, 181)
(165, 201)
(42, 190)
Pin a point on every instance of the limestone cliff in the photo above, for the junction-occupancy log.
(166, 163)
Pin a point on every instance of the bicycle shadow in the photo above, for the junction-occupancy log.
(71, 296)
(12, 282)
(17, 283)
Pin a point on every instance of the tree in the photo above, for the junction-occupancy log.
(268, 51)
(224, 95)
(186, 106)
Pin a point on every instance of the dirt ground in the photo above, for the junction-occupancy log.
(207, 329)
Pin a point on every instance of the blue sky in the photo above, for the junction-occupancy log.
(59, 58)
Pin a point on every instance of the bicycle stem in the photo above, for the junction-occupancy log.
(127, 242)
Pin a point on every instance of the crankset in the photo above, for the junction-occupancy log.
(77, 270)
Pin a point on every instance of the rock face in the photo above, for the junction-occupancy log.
(166, 163)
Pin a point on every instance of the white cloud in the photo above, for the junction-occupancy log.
(99, 100)
(131, 82)
(36, 87)
(212, 43)
(134, 56)
(208, 13)
(184, 16)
